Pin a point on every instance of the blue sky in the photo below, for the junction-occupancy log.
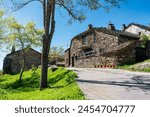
(130, 11)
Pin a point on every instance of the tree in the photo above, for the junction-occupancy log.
(56, 54)
(75, 9)
(144, 40)
(2, 24)
(20, 36)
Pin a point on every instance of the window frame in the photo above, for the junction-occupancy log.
(84, 40)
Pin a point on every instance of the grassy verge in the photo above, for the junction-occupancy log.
(133, 67)
(61, 86)
(1, 72)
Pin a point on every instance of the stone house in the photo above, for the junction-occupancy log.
(101, 47)
(12, 61)
(136, 29)
(142, 53)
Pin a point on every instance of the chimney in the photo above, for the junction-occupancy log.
(90, 26)
(13, 49)
(111, 27)
(123, 27)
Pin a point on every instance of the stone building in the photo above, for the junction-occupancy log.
(142, 53)
(67, 57)
(12, 61)
(137, 29)
(101, 47)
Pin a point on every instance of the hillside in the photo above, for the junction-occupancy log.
(141, 66)
(61, 86)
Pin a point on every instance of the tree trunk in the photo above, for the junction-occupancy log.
(44, 62)
(22, 66)
(49, 26)
(21, 73)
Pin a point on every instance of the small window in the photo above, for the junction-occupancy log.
(94, 38)
(140, 33)
(76, 58)
(84, 40)
(101, 50)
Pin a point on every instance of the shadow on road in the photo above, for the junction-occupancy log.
(136, 81)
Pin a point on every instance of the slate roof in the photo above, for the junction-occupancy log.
(20, 51)
(139, 25)
(107, 31)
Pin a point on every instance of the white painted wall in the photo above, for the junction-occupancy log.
(135, 30)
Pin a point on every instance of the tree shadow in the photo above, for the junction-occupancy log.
(57, 78)
(58, 87)
(138, 81)
(2, 79)
(68, 79)
(32, 83)
(27, 84)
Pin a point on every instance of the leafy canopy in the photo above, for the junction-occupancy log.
(22, 36)
(56, 53)
(144, 38)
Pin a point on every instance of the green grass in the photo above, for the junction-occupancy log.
(1, 72)
(61, 86)
(132, 68)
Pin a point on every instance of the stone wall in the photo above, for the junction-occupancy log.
(33, 58)
(67, 58)
(91, 62)
(128, 53)
(109, 50)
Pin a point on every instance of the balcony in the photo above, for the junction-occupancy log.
(89, 53)
(86, 54)
(85, 47)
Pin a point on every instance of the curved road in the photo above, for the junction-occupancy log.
(113, 84)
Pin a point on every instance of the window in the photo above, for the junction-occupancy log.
(76, 58)
(101, 50)
(84, 40)
(94, 38)
(90, 53)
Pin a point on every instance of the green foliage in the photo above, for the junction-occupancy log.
(2, 25)
(22, 36)
(1, 72)
(62, 86)
(132, 67)
(34, 68)
(13, 34)
(144, 39)
(56, 54)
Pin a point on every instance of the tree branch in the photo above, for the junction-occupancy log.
(52, 20)
(21, 5)
(61, 3)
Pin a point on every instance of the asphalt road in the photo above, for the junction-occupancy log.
(113, 84)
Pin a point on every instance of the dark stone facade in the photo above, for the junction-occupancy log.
(67, 58)
(99, 47)
(12, 61)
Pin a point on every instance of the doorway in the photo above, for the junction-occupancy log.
(73, 61)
